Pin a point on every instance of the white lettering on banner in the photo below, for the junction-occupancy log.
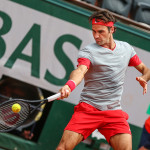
(42, 50)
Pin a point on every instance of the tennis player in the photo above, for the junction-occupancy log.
(102, 65)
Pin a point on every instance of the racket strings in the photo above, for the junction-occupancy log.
(9, 119)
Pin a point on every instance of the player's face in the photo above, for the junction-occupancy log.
(101, 34)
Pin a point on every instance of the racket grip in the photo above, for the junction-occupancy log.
(53, 97)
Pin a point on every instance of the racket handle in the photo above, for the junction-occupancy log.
(53, 97)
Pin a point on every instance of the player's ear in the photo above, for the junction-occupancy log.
(112, 29)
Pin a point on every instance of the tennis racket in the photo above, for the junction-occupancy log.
(10, 120)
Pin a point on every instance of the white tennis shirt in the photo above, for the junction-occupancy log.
(105, 78)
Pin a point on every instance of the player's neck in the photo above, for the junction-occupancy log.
(111, 45)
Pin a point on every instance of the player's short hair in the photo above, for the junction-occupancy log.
(104, 15)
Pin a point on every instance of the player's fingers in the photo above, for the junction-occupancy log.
(140, 79)
(137, 78)
(67, 93)
(64, 93)
(145, 89)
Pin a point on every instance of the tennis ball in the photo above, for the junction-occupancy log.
(16, 108)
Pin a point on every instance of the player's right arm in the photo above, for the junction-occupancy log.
(76, 76)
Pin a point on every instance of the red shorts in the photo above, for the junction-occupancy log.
(87, 118)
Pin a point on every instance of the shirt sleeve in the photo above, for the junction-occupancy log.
(85, 53)
(84, 57)
(135, 61)
(84, 61)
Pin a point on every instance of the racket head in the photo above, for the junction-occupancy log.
(10, 120)
(11, 88)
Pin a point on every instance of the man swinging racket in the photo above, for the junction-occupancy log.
(102, 65)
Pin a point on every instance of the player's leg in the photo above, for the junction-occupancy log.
(121, 142)
(117, 130)
(69, 140)
(81, 125)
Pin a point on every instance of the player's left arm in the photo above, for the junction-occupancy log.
(145, 76)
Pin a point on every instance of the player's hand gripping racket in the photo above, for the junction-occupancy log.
(10, 120)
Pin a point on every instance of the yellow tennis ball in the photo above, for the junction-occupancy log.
(16, 108)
